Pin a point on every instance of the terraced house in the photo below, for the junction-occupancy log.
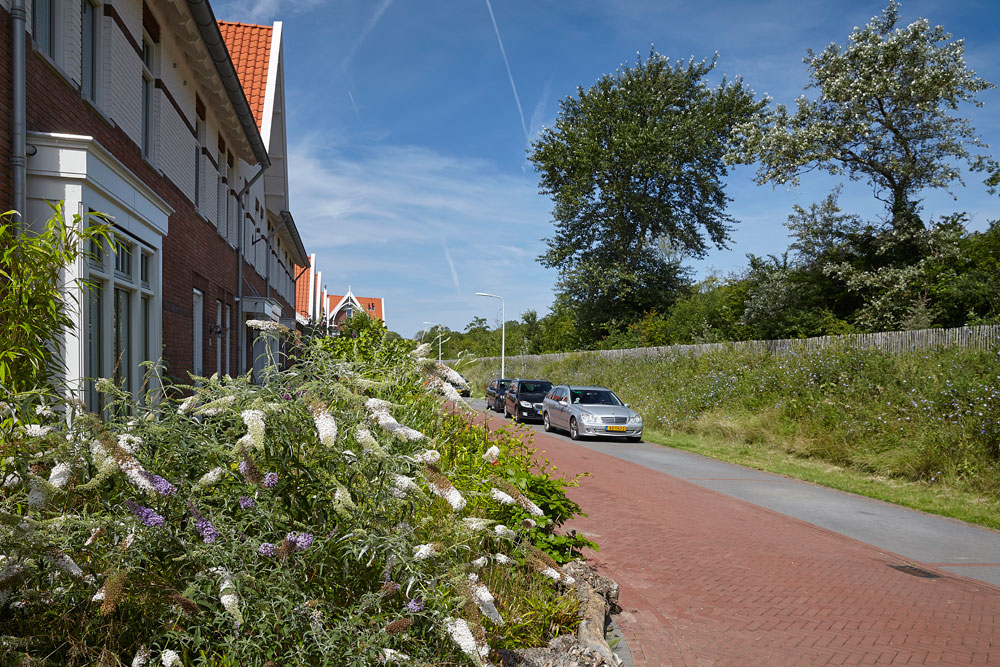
(172, 124)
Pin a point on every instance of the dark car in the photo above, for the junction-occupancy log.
(524, 399)
(494, 393)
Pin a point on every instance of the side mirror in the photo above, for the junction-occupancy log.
(564, 402)
(627, 405)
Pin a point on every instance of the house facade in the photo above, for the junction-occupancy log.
(344, 306)
(137, 111)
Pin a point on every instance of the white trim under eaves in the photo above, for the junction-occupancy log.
(270, 88)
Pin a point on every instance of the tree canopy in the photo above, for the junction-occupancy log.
(883, 114)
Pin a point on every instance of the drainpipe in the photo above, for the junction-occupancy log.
(240, 355)
(18, 158)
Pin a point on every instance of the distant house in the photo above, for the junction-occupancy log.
(310, 304)
(138, 110)
(344, 306)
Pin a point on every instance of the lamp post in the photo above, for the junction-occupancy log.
(503, 332)
(440, 333)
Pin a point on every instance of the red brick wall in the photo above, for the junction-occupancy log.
(6, 118)
(194, 255)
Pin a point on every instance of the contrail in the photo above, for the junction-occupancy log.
(451, 265)
(353, 103)
(384, 5)
(509, 75)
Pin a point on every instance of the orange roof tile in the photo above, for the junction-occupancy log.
(250, 49)
(371, 305)
(302, 291)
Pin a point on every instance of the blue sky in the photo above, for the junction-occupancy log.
(408, 168)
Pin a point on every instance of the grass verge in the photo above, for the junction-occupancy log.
(921, 496)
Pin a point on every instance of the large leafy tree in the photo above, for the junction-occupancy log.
(883, 113)
(635, 159)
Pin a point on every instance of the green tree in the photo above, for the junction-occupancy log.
(883, 114)
(635, 159)
(36, 299)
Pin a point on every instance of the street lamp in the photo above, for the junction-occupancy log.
(440, 333)
(503, 332)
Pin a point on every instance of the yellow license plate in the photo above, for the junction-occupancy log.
(616, 428)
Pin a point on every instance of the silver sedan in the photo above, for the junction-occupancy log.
(591, 411)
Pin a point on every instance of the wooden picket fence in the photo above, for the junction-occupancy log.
(897, 342)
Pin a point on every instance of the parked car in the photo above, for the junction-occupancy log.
(465, 391)
(494, 393)
(591, 411)
(523, 399)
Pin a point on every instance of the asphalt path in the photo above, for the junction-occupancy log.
(945, 544)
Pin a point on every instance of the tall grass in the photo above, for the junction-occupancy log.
(931, 416)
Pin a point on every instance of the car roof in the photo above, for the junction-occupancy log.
(519, 380)
(587, 387)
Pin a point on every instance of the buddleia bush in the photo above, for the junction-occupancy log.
(334, 514)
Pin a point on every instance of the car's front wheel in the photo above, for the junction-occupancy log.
(574, 430)
(546, 424)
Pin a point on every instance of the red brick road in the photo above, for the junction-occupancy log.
(710, 580)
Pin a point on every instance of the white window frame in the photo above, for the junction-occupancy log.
(91, 91)
(198, 331)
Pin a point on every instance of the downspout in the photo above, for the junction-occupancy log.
(18, 158)
(240, 355)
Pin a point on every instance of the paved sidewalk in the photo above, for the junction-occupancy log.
(710, 579)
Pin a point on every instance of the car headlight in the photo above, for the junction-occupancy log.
(588, 418)
(525, 404)
(635, 419)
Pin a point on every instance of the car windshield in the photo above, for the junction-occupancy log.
(535, 387)
(593, 397)
(501, 385)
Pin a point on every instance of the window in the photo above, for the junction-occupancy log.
(371, 307)
(217, 335)
(228, 335)
(123, 259)
(43, 26)
(89, 26)
(148, 57)
(198, 317)
(122, 316)
(198, 130)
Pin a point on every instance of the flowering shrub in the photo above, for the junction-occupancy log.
(305, 521)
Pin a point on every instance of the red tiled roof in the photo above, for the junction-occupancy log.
(250, 49)
(371, 305)
(302, 291)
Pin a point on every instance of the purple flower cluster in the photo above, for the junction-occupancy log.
(246, 501)
(270, 480)
(160, 485)
(301, 541)
(208, 532)
(267, 549)
(147, 516)
(415, 605)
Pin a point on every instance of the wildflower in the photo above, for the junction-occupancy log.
(379, 412)
(209, 533)
(326, 426)
(227, 596)
(246, 502)
(503, 531)
(267, 325)
(36, 496)
(415, 605)
(44, 411)
(169, 658)
(217, 406)
(188, 403)
(398, 626)
(484, 599)
(301, 541)
(267, 549)
(270, 480)
(64, 563)
(147, 516)
(421, 351)
(428, 456)
(389, 589)
(210, 478)
(475, 524)
(501, 497)
(502, 559)
(160, 485)
(480, 562)
(442, 486)
(254, 420)
(424, 551)
(141, 658)
(389, 654)
(528, 523)
(36, 430)
(462, 635)
(491, 454)
(402, 485)
(249, 470)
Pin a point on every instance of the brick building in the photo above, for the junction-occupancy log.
(341, 307)
(136, 110)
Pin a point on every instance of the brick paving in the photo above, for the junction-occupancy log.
(710, 580)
